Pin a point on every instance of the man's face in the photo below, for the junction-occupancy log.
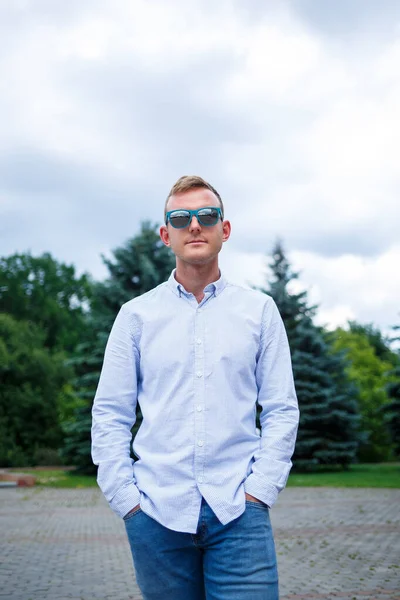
(195, 244)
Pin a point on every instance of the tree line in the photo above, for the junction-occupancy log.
(54, 326)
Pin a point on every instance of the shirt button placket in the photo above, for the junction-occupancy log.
(199, 442)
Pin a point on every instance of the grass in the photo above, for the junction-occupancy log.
(59, 478)
(380, 475)
(384, 475)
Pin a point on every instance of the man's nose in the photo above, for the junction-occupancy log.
(194, 224)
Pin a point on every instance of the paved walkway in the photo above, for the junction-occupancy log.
(67, 544)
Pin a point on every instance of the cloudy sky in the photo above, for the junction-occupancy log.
(291, 109)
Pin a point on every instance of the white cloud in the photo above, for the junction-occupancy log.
(353, 286)
(298, 131)
(344, 288)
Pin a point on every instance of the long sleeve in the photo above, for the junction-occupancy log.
(114, 414)
(279, 415)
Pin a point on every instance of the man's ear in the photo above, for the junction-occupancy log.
(226, 230)
(164, 235)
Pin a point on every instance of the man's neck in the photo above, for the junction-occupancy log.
(195, 278)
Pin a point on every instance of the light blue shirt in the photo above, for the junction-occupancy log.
(197, 371)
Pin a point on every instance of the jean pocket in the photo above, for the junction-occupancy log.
(257, 504)
(132, 514)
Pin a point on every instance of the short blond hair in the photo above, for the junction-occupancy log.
(191, 182)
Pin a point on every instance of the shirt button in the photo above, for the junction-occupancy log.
(198, 341)
(200, 479)
(198, 373)
(200, 443)
(199, 408)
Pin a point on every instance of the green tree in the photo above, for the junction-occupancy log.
(32, 380)
(47, 293)
(292, 307)
(371, 374)
(139, 265)
(377, 341)
(392, 409)
(329, 421)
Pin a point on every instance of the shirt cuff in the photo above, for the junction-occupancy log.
(257, 487)
(125, 499)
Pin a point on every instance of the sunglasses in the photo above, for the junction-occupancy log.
(207, 216)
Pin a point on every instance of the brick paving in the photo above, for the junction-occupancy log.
(67, 544)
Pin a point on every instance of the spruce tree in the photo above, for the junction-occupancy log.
(136, 267)
(392, 409)
(329, 420)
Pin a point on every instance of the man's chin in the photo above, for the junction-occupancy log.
(197, 251)
(197, 260)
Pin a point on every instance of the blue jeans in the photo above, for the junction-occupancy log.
(236, 561)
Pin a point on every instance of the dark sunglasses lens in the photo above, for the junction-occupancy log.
(180, 219)
(208, 216)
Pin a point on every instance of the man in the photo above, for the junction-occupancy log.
(197, 353)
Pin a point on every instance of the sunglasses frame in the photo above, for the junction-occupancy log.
(191, 214)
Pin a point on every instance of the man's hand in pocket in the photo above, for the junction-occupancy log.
(252, 499)
(133, 510)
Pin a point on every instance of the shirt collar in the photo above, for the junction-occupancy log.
(215, 287)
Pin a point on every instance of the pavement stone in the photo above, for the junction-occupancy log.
(331, 543)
